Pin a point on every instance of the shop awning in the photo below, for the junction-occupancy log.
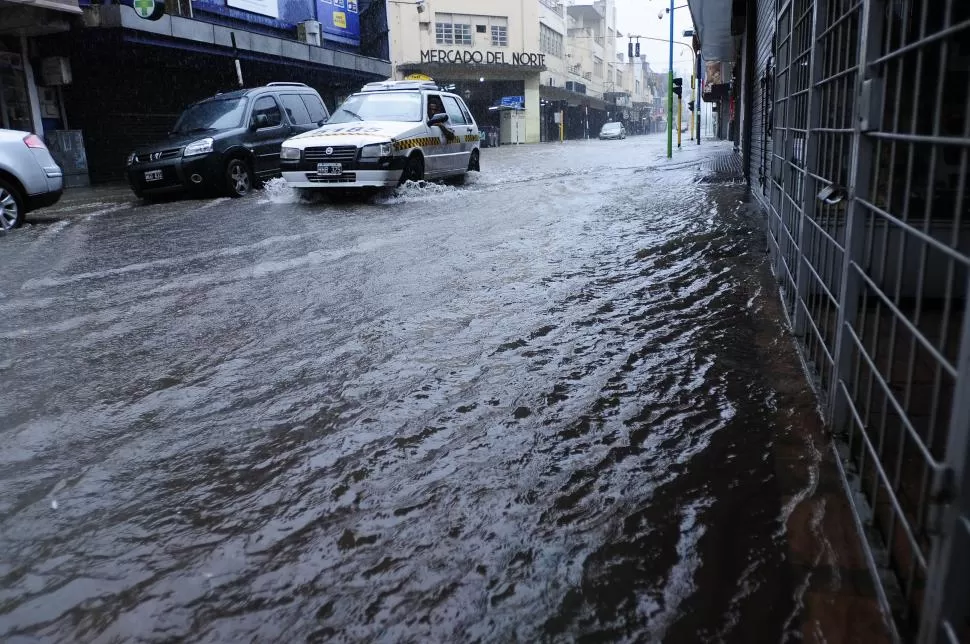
(713, 20)
(552, 93)
(472, 70)
(67, 6)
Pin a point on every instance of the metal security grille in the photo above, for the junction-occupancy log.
(869, 231)
(790, 112)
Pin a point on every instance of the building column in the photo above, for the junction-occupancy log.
(32, 95)
(533, 109)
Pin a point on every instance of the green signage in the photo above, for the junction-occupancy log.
(148, 9)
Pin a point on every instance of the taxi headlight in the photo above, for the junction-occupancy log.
(202, 146)
(291, 154)
(375, 151)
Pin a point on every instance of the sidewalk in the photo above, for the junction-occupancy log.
(835, 590)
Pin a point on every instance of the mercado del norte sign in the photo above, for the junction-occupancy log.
(466, 57)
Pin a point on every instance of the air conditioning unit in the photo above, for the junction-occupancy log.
(573, 86)
(308, 31)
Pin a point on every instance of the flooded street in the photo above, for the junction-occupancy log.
(524, 409)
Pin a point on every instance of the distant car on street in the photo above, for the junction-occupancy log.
(227, 143)
(387, 133)
(29, 177)
(612, 131)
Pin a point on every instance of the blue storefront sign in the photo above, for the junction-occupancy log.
(516, 102)
(339, 20)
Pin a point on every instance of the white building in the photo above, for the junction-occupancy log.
(558, 62)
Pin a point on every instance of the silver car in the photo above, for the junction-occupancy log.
(613, 130)
(29, 177)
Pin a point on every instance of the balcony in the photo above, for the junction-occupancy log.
(556, 7)
(586, 15)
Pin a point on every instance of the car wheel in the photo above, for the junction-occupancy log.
(413, 169)
(239, 178)
(11, 207)
(474, 162)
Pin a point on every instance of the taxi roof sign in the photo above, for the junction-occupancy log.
(383, 86)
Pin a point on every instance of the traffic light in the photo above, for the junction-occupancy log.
(629, 49)
(679, 87)
(690, 105)
(638, 49)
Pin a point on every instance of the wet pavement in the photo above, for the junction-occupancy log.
(531, 408)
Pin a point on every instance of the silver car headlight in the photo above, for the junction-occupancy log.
(291, 154)
(132, 158)
(376, 151)
(202, 146)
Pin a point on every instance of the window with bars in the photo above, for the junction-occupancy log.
(453, 33)
(444, 33)
(550, 41)
(500, 36)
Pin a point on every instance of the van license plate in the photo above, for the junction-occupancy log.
(329, 169)
(153, 175)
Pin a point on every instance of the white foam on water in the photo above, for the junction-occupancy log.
(413, 191)
(754, 297)
(105, 211)
(55, 228)
(680, 580)
(216, 202)
(280, 192)
(232, 251)
(66, 207)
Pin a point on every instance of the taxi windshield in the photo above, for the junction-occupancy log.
(383, 106)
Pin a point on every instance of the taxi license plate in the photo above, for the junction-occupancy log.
(153, 175)
(329, 169)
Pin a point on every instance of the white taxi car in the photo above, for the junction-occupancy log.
(388, 133)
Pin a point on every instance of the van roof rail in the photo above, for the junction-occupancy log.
(285, 84)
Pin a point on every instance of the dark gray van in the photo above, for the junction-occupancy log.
(227, 143)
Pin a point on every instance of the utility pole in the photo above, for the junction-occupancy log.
(670, 88)
(700, 96)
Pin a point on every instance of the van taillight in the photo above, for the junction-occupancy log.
(34, 141)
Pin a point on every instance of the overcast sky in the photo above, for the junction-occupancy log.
(639, 17)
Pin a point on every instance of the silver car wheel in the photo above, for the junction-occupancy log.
(240, 179)
(9, 210)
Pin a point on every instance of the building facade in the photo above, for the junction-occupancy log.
(532, 70)
(101, 78)
(487, 52)
(853, 126)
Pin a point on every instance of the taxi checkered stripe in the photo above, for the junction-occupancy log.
(421, 141)
(428, 142)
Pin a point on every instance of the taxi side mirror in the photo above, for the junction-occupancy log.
(438, 119)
